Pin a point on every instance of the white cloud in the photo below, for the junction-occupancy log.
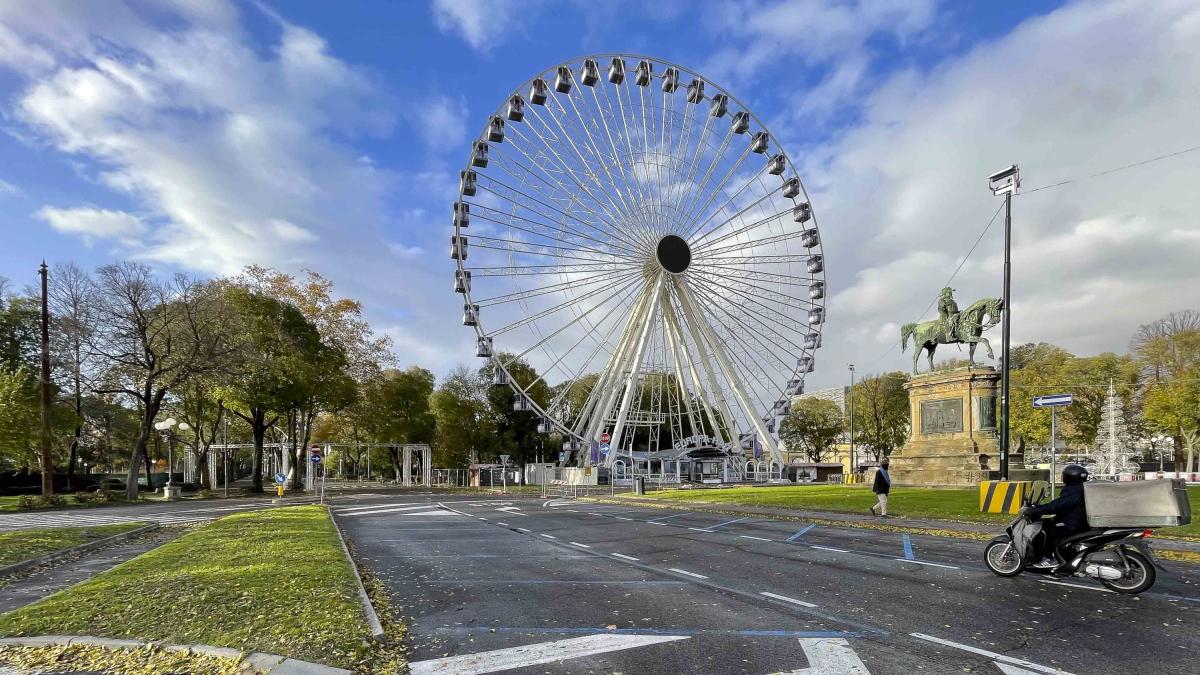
(902, 196)
(441, 122)
(92, 223)
(479, 22)
(7, 188)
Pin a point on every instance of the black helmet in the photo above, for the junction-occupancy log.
(1074, 475)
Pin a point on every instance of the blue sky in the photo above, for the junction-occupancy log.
(205, 136)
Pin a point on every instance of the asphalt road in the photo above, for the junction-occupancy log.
(524, 585)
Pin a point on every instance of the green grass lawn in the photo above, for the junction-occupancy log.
(26, 544)
(272, 581)
(9, 504)
(941, 503)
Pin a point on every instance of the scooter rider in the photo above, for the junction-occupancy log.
(1070, 516)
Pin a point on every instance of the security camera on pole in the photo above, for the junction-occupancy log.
(1005, 182)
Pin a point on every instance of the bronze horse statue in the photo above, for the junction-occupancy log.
(968, 329)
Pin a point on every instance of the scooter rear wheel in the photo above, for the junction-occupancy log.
(1002, 558)
(1140, 576)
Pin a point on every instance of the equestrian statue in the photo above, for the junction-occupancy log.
(953, 327)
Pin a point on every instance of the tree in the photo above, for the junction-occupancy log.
(516, 431)
(460, 408)
(1168, 352)
(1038, 369)
(813, 427)
(881, 413)
(154, 337)
(18, 418)
(200, 405)
(72, 295)
(396, 409)
(1173, 406)
(282, 352)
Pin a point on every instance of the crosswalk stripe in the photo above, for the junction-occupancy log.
(391, 510)
(536, 654)
(351, 509)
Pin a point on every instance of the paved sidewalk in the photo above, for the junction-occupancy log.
(927, 525)
(29, 587)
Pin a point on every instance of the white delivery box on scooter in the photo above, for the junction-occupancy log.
(1143, 503)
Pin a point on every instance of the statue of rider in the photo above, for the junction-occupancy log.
(948, 312)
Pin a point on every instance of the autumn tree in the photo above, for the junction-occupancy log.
(460, 408)
(154, 337)
(72, 296)
(813, 427)
(881, 413)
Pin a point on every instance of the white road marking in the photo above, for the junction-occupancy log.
(1086, 588)
(624, 557)
(699, 529)
(622, 518)
(828, 548)
(522, 529)
(351, 509)
(509, 508)
(922, 562)
(690, 574)
(500, 523)
(992, 655)
(549, 536)
(831, 656)
(1012, 670)
(396, 509)
(575, 543)
(787, 599)
(482, 518)
(746, 536)
(536, 654)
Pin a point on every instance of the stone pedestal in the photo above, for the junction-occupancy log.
(953, 439)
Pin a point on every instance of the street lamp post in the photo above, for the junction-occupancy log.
(1005, 182)
(853, 464)
(168, 426)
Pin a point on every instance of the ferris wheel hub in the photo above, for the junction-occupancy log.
(674, 254)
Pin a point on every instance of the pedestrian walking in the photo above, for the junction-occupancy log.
(881, 487)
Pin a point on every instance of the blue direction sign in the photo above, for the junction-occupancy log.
(316, 458)
(1052, 400)
(604, 448)
(280, 479)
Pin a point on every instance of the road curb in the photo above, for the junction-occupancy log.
(368, 609)
(16, 568)
(270, 663)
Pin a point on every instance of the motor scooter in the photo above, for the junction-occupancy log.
(1117, 557)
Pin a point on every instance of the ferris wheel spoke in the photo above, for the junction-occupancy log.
(604, 161)
(783, 299)
(614, 214)
(529, 198)
(543, 290)
(739, 319)
(647, 155)
(559, 191)
(706, 251)
(625, 170)
(786, 259)
(694, 213)
(643, 189)
(589, 170)
(766, 321)
(537, 270)
(699, 144)
(519, 247)
(625, 253)
(751, 205)
(556, 308)
(727, 271)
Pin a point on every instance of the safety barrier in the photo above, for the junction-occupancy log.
(1003, 496)
(852, 478)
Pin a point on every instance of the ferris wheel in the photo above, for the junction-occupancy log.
(636, 235)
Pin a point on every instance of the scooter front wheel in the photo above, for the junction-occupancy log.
(1139, 577)
(1002, 558)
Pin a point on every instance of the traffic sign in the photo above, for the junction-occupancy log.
(1052, 400)
(604, 448)
(316, 458)
(504, 459)
(605, 438)
(280, 479)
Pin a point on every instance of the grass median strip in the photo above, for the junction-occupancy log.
(19, 545)
(272, 581)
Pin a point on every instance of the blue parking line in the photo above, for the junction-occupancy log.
(799, 534)
(908, 552)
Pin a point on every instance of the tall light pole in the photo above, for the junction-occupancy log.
(169, 426)
(47, 459)
(853, 464)
(1005, 182)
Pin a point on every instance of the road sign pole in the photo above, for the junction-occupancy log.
(1053, 470)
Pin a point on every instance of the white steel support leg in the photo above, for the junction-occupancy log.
(600, 390)
(685, 297)
(677, 336)
(611, 377)
(684, 399)
(710, 373)
(635, 366)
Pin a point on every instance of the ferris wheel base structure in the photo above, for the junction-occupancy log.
(645, 268)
